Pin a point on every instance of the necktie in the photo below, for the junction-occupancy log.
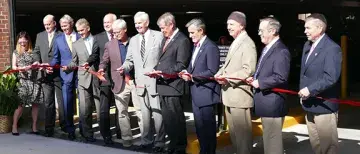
(111, 36)
(311, 50)
(50, 37)
(142, 49)
(69, 42)
(166, 43)
(261, 58)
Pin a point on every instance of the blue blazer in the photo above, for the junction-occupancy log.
(63, 56)
(205, 92)
(320, 75)
(273, 73)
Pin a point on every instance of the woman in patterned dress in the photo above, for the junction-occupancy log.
(29, 89)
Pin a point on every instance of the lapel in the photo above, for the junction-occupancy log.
(149, 45)
(315, 52)
(269, 52)
(116, 50)
(171, 42)
(201, 51)
(53, 39)
(83, 46)
(46, 38)
(63, 38)
(234, 47)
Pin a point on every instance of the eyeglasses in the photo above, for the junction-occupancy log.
(117, 32)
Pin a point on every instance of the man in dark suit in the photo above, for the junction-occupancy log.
(62, 56)
(205, 93)
(272, 71)
(51, 84)
(173, 59)
(320, 72)
(106, 95)
(86, 54)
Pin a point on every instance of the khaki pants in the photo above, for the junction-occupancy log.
(122, 105)
(323, 132)
(240, 127)
(272, 135)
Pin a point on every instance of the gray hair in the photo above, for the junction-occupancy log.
(49, 16)
(272, 24)
(167, 18)
(82, 21)
(143, 16)
(67, 18)
(111, 15)
(319, 20)
(119, 23)
(198, 23)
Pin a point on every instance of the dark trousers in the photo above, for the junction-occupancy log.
(68, 92)
(174, 121)
(205, 124)
(52, 87)
(106, 96)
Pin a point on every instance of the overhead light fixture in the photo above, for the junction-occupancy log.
(194, 12)
(125, 15)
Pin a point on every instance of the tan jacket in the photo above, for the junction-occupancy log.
(240, 62)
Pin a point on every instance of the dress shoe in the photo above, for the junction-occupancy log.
(49, 134)
(71, 136)
(15, 134)
(180, 152)
(143, 147)
(90, 139)
(158, 149)
(108, 141)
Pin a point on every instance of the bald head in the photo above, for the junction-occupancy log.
(49, 23)
(108, 21)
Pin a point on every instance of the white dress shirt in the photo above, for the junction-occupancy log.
(197, 50)
(89, 41)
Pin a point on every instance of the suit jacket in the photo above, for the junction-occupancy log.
(134, 61)
(63, 57)
(101, 40)
(320, 75)
(240, 62)
(80, 55)
(112, 60)
(205, 92)
(173, 60)
(273, 72)
(43, 53)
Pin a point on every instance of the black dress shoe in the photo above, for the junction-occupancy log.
(180, 152)
(158, 149)
(15, 134)
(108, 141)
(71, 136)
(143, 147)
(118, 135)
(35, 132)
(49, 134)
(90, 139)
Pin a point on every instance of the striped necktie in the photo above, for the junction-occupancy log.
(142, 49)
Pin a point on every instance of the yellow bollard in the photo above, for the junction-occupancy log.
(344, 66)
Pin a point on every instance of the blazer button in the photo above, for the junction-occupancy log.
(159, 63)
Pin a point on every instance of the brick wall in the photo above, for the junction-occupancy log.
(4, 35)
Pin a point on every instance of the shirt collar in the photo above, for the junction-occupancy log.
(318, 40)
(90, 37)
(176, 31)
(198, 44)
(272, 43)
(147, 33)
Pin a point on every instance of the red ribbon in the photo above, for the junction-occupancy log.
(41, 66)
(279, 90)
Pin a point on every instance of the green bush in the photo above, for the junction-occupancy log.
(9, 99)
